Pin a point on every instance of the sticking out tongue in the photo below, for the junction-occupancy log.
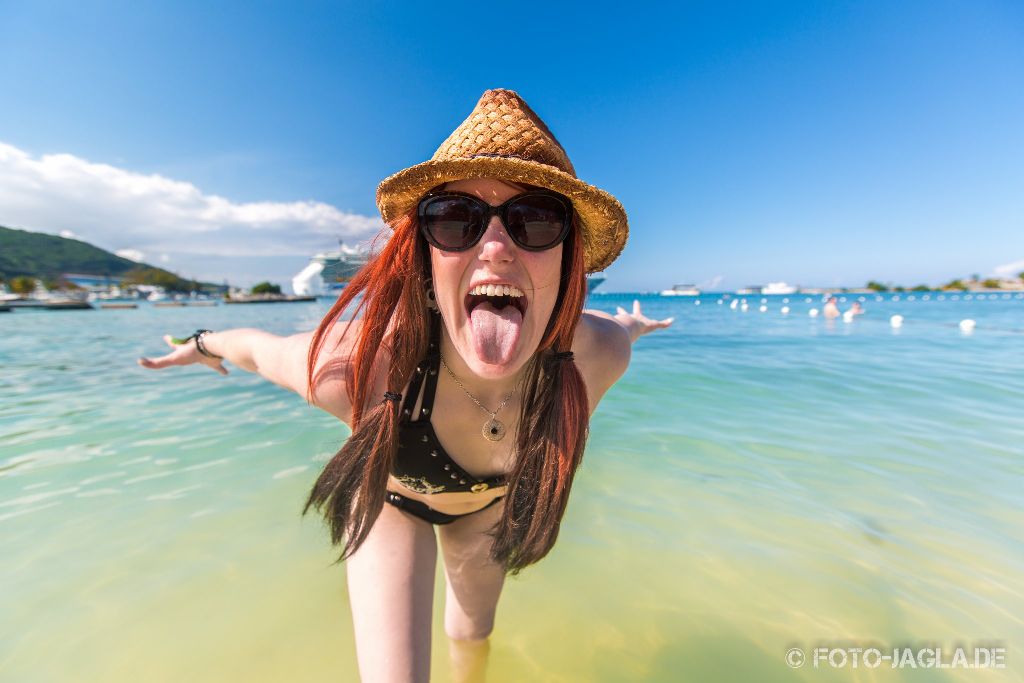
(495, 332)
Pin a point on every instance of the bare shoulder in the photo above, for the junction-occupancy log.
(330, 391)
(602, 350)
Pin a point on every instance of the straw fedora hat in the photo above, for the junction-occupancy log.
(503, 138)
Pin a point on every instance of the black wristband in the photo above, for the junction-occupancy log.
(198, 336)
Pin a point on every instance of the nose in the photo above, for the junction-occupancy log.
(495, 244)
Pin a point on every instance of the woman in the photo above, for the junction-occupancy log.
(468, 379)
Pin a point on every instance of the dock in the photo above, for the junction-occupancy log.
(67, 306)
(269, 299)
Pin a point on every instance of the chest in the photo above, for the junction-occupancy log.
(443, 418)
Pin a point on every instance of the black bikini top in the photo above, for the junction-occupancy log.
(421, 464)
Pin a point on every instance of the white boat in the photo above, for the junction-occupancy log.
(329, 271)
(593, 280)
(778, 288)
(681, 290)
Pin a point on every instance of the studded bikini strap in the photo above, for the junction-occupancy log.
(425, 368)
(430, 367)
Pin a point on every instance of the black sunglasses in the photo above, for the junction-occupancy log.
(535, 220)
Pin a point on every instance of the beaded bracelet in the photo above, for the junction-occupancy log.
(198, 336)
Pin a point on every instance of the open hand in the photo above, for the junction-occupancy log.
(637, 323)
(183, 354)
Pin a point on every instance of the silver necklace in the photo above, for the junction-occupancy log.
(493, 429)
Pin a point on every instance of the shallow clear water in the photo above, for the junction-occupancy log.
(756, 481)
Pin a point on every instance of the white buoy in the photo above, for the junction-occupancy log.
(813, 312)
(848, 317)
(807, 300)
(763, 308)
(786, 300)
(967, 326)
(734, 304)
(744, 308)
(784, 310)
(697, 302)
(896, 321)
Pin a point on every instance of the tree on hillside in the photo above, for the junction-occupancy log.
(991, 283)
(876, 286)
(23, 284)
(155, 276)
(921, 288)
(266, 288)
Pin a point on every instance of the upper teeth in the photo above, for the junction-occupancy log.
(495, 290)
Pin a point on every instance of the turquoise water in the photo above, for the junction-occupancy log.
(755, 482)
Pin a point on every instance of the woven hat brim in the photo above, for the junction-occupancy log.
(602, 219)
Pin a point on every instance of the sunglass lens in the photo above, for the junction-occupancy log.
(537, 221)
(453, 222)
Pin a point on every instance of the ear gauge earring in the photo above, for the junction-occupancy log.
(428, 284)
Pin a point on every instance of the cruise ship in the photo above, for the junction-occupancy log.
(330, 271)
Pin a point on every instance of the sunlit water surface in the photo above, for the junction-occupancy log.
(756, 481)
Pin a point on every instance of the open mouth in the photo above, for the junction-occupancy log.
(496, 313)
(498, 296)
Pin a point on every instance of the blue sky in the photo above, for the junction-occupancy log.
(817, 143)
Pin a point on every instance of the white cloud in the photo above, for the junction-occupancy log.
(164, 258)
(122, 210)
(1010, 269)
(130, 254)
(67, 234)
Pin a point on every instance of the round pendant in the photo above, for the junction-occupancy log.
(493, 430)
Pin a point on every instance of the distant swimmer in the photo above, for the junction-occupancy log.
(852, 312)
(830, 310)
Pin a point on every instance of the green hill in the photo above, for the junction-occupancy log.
(47, 257)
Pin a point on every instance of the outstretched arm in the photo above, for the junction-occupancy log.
(603, 346)
(636, 323)
(281, 360)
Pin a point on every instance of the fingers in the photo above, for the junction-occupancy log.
(157, 363)
(219, 367)
(169, 340)
(619, 310)
(636, 307)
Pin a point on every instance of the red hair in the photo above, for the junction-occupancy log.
(553, 422)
